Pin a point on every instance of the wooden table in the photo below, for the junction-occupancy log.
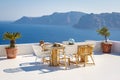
(55, 59)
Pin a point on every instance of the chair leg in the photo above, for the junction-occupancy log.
(92, 59)
(69, 61)
(85, 61)
(43, 59)
(77, 61)
(65, 63)
(35, 59)
(58, 57)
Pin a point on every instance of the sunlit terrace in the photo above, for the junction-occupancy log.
(23, 67)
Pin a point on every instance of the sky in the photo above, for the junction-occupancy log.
(11, 10)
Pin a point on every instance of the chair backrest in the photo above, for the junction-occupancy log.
(70, 49)
(90, 49)
(37, 50)
(85, 49)
(81, 50)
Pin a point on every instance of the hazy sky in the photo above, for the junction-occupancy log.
(15, 9)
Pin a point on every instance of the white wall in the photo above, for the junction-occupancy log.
(22, 49)
(116, 46)
(27, 48)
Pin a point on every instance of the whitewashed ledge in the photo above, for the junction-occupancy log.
(23, 49)
(27, 48)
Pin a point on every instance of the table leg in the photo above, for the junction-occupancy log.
(54, 58)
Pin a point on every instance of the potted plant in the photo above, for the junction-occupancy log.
(11, 50)
(106, 46)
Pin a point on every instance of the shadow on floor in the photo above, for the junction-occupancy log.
(3, 58)
(98, 53)
(27, 67)
(37, 66)
(116, 54)
(101, 53)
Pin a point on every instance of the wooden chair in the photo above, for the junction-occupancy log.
(84, 51)
(39, 53)
(71, 54)
(64, 58)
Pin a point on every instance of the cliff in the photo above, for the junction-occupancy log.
(69, 18)
(111, 20)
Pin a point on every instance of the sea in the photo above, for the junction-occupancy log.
(33, 33)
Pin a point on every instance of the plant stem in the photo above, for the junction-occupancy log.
(105, 38)
(12, 43)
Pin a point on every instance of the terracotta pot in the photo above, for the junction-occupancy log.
(106, 47)
(11, 53)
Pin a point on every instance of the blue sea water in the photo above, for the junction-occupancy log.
(32, 33)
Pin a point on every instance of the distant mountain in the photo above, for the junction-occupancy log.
(90, 21)
(69, 18)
